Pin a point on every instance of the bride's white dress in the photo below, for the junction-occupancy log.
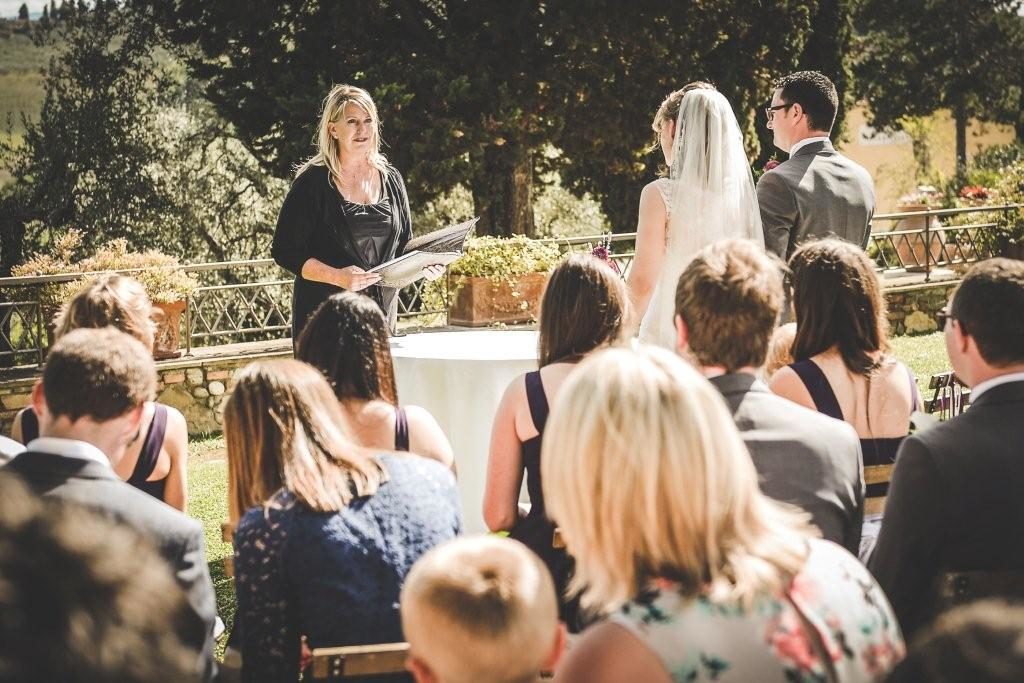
(710, 196)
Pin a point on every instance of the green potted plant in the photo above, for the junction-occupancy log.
(497, 280)
(167, 285)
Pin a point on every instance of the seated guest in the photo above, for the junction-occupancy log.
(842, 363)
(156, 461)
(584, 308)
(955, 504)
(727, 302)
(90, 403)
(324, 556)
(347, 340)
(480, 609)
(704, 577)
(780, 349)
(84, 599)
(982, 642)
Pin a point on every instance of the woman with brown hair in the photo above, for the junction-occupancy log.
(842, 366)
(335, 528)
(347, 340)
(156, 462)
(584, 308)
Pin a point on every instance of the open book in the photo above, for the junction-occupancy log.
(438, 248)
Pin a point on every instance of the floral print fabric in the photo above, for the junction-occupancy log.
(701, 640)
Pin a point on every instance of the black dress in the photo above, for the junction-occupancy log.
(536, 530)
(317, 222)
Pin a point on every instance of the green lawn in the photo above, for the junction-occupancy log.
(208, 486)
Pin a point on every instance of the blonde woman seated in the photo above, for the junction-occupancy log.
(584, 308)
(338, 527)
(704, 577)
(157, 461)
(346, 338)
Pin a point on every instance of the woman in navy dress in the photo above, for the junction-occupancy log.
(156, 462)
(842, 366)
(584, 308)
(324, 551)
(347, 211)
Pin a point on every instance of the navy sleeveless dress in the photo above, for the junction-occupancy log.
(876, 451)
(536, 531)
(401, 430)
(148, 456)
(880, 451)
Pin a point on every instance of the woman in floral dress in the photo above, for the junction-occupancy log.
(703, 577)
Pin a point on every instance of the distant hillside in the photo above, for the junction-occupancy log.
(21, 79)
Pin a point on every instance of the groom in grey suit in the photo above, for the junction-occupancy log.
(818, 192)
(727, 301)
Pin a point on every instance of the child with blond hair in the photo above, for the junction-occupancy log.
(481, 608)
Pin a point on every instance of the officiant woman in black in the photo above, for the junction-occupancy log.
(346, 212)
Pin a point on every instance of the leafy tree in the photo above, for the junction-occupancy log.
(44, 20)
(472, 90)
(917, 56)
(624, 62)
(23, 12)
(124, 147)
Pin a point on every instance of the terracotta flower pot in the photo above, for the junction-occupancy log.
(168, 330)
(911, 249)
(479, 302)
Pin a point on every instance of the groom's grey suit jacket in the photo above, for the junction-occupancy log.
(816, 193)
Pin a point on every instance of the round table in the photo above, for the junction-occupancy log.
(460, 377)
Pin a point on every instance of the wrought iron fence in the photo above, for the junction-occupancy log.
(251, 300)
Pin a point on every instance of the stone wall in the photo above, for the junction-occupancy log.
(912, 309)
(196, 386)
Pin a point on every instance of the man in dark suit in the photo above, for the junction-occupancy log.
(727, 302)
(90, 402)
(955, 502)
(817, 192)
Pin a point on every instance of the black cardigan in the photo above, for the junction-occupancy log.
(313, 225)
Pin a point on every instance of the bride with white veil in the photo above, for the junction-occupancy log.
(708, 196)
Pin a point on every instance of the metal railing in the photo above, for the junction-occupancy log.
(251, 300)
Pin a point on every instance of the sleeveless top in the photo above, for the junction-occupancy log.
(878, 451)
(401, 430)
(536, 531)
(148, 456)
(832, 606)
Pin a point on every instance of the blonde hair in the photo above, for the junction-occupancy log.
(780, 349)
(486, 610)
(647, 476)
(328, 148)
(284, 428)
(110, 300)
(669, 108)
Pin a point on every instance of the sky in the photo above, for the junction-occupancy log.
(9, 8)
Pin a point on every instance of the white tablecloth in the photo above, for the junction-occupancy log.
(460, 377)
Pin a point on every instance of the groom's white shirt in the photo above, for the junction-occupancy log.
(807, 141)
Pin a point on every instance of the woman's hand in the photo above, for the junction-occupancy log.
(355, 278)
(433, 272)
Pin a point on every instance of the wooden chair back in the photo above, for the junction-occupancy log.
(950, 396)
(352, 661)
(876, 474)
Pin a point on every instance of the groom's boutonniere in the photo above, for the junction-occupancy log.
(772, 163)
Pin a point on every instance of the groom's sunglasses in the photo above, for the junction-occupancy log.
(770, 111)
